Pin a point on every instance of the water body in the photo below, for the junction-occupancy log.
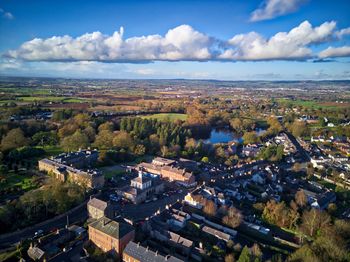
(225, 136)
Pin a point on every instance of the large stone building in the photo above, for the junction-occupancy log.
(98, 208)
(141, 188)
(110, 235)
(68, 167)
(168, 169)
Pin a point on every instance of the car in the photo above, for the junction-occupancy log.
(39, 233)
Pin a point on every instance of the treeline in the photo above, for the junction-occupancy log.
(39, 205)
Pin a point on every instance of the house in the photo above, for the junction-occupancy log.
(320, 201)
(141, 188)
(178, 218)
(111, 235)
(98, 208)
(134, 252)
(36, 253)
(217, 233)
(250, 150)
(193, 200)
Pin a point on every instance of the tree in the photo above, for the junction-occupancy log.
(314, 220)
(15, 138)
(209, 208)
(300, 198)
(140, 150)
(250, 138)
(123, 140)
(45, 138)
(104, 139)
(245, 255)
(230, 258)
(75, 141)
(299, 128)
(256, 252)
(236, 124)
(233, 218)
(106, 126)
(205, 159)
(274, 126)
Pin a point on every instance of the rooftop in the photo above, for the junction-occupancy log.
(111, 227)
(144, 254)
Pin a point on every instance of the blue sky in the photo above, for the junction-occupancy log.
(227, 40)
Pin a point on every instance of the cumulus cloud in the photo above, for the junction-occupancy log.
(292, 45)
(343, 51)
(6, 15)
(182, 43)
(270, 9)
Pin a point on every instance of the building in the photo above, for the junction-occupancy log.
(217, 233)
(66, 167)
(98, 208)
(167, 168)
(134, 252)
(142, 188)
(110, 235)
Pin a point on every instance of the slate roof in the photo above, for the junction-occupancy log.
(143, 254)
(115, 229)
(97, 203)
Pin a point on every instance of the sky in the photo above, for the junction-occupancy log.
(218, 39)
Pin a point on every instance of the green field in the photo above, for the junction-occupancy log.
(50, 99)
(167, 117)
(11, 179)
(308, 103)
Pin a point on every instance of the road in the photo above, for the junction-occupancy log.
(140, 212)
(77, 215)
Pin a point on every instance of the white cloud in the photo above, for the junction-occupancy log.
(283, 45)
(343, 51)
(343, 32)
(6, 15)
(270, 9)
(182, 43)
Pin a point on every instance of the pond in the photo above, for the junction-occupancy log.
(225, 135)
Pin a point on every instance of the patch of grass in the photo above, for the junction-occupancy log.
(11, 179)
(309, 104)
(167, 116)
(52, 150)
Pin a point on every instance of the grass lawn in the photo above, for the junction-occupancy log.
(111, 171)
(167, 116)
(12, 179)
(52, 150)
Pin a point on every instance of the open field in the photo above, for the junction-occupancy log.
(167, 116)
(314, 104)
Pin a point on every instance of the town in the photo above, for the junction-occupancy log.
(206, 179)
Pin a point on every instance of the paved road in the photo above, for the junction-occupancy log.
(142, 211)
(77, 215)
